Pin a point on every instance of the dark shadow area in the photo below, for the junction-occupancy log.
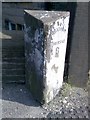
(13, 58)
(13, 69)
(18, 93)
(89, 36)
(65, 6)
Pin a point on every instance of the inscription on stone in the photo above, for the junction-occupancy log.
(55, 68)
(57, 52)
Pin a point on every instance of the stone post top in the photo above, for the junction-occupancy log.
(47, 16)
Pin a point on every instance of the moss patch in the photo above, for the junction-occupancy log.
(65, 89)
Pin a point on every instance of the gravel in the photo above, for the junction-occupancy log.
(71, 102)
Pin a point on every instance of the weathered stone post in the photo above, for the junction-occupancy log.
(45, 47)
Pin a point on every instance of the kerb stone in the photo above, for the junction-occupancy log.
(45, 48)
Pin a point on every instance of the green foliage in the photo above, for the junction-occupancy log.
(66, 89)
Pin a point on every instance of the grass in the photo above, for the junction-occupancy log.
(66, 89)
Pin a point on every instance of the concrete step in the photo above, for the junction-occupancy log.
(7, 65)
(12, 48)
(13, 71)
(13, 59)
(13, 54)
(13, 78)
(13, 63)
(13, 51)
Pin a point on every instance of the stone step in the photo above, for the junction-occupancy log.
(13, 60)
(13, 71)
(13, 64)
(13, 51)
(7, 65)
(12, 48)
(13, 54)
(13, 78)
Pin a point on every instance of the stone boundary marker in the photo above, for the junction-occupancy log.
(45, 47)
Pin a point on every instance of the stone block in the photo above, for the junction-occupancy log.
(45, 47)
